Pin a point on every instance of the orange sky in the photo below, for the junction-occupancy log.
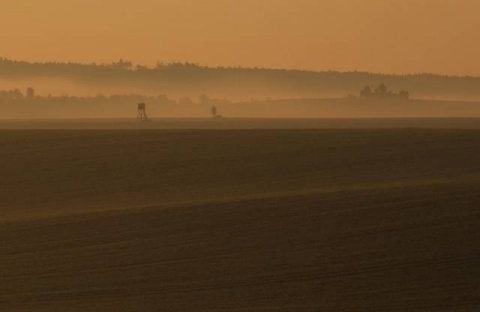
(392, 36)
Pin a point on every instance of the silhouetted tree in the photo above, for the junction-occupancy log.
(381, 90)
(12, 95)
(366, 92)
(404, 94)
(122, 65)
(30, 93)
(213, 110)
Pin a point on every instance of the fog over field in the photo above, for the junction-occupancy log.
(70, 90)
(240, 156)
(364, 200)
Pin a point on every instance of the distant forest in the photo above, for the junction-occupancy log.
(235, 83)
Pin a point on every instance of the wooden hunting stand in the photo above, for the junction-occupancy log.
(142, 112)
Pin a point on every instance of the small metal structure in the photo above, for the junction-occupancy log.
(142, 112)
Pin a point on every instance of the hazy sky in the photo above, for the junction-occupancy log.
(401, 36)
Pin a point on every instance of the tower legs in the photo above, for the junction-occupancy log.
(142, 112)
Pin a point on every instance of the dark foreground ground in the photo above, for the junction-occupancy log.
(240, 123)
(258, 220)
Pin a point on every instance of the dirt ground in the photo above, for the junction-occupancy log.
(240, 220)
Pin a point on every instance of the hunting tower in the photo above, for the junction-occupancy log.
(142, 112)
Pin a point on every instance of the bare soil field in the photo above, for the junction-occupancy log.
(240, 220)
(240, 123)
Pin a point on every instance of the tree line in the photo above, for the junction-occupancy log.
(383, 92)
(233, 81)
(30, 96)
